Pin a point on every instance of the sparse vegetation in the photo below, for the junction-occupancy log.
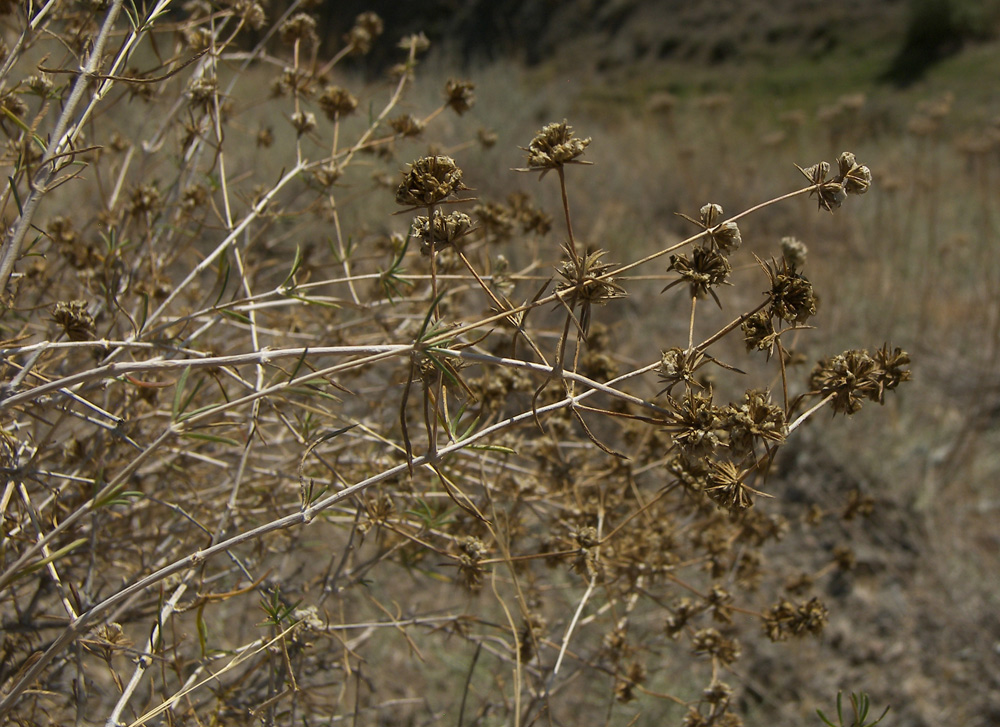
(311, 414)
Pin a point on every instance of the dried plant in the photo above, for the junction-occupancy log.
(253, 446)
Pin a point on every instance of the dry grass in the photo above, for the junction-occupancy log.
(276, 450)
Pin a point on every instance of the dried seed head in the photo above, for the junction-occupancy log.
(300, 28)
(695, 424)
(677, 366)
(856, 178)
(202, 91)
(367, 27)
(759, 333)
(709, 214)
(429, 180)
(853, 376)
(787, 619)
(717, 693)
(587, 281)
(852, 178)
(711, 642)
(145, 199)
(487, 138)
(794, 251)
(448, 229)
(555, 146)
(459, 95)
(417, 42)
(891, 370)
(707, 268)
(76, 322)
(303, 121)
(327, 174)
(406, 125)
(337, 102)
(726, 237)
(791, 294)
(726, 487)
(251, 12)
(756, 419)
(848, 377)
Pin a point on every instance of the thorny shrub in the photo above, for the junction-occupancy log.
(223, 441)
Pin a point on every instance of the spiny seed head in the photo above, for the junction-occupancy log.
(787, 619)
(337, 102)
(706, 268)
(406, 125)
(448, 229)
(755, 419)
(695, 424)
(429, 180)
(251, 12)
(711, 642)
(852, 178)
(555, 146)
(726, 488)
(791, 294)
(303, 121)
(856, 178)
(367, 27)
(854, 375)
(75, 320)
(459, 95)
(300, 28)
(417, 42)
(759, 333)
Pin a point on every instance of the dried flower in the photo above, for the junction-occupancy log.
(406, 125)
(711, 642)
(428, 181)
(727, 488)
(856, 178)
(303, 121)
(487, 138)
(300, 28)
(76, 321)
(786, 619)
(144, 200)
(367, 27)
(587, 281)
(448, 229)
(202, 91)
(683, 611)
(852, 178)
(759, 333)
(791, 294)
(707, 268)
(794, 251)
(459, 95)
(695, 424)
(554, 147)
(852, 376)
(337, 102)
(417, 42)
(756, 419)
(724, 236)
